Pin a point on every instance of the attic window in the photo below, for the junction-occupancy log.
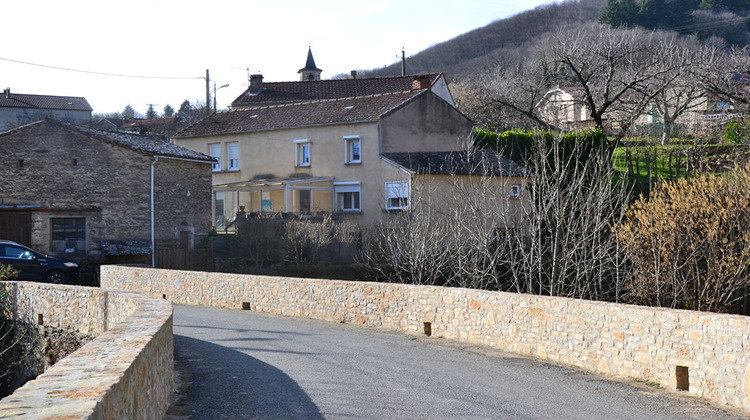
(75, 162)
(20, 163)
(349, 107)
(254, 116)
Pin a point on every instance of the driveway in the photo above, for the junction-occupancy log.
(245, 365)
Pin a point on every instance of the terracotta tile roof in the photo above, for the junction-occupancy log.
(481, 162)
(18, 100)
(302, 114)
(287, 92)
(148, 123)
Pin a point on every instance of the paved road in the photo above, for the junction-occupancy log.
(246, 365)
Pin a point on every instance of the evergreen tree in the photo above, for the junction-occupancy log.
(731, 5)
(128, 112)
(151, 112)
(184, 112)
(619, 13)
(168, 111)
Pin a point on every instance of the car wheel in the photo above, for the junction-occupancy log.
(55, 276)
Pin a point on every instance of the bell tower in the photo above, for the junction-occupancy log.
(309, 72)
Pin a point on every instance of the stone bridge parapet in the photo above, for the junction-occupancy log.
(703, 354)
(126, 372)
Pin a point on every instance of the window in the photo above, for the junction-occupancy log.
(305, 200)
(302, 152)
(515, 191)
(396, 195)
(68, 234)
(233, 156)
(353, 149)
(347, 196)
(15, 252)
(214, 150)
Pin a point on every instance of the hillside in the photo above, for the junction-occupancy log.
(493, 43)
(506, 40)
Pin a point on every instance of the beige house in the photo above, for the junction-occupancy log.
(565, 109)
(350, 147)
(323, 156)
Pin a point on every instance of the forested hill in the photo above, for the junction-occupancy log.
(506, 40)
(724, 19)
(491, 43)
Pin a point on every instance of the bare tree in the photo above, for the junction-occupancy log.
(680, 90)
(567, 248)
(554, 239)
(618, 70)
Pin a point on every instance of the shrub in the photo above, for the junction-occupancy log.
(688, 245)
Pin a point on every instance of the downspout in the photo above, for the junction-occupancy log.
(153, 241)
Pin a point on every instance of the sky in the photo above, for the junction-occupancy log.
(143, 52)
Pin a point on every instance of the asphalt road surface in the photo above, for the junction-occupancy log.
(244, 365)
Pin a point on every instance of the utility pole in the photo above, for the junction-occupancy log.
(403, 62)
(208, 95)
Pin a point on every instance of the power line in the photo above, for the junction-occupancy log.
(99, 73)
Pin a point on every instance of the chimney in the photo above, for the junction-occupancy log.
(7, 93)
(421, 82)
(256, 83)
(354, 74)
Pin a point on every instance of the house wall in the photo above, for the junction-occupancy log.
(490, 197)
(272, 154)
(14, 117)
(182, 199)
(427, 124)
(625, 341)
(68, 174)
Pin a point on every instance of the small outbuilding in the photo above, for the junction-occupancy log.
(101, 197)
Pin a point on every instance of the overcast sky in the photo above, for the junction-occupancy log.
(169, 44)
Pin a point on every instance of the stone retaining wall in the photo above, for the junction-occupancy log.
(126, 372)
(705, 354)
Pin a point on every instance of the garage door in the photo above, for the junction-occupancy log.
(16, 226)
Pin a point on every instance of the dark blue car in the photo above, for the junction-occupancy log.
(35, 266)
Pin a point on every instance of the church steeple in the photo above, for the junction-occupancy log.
(309, 72)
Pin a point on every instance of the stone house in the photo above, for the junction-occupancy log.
(100, 197)
(17, 109)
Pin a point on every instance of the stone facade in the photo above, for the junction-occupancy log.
(705, 354)
(57, 171)
(126, 372)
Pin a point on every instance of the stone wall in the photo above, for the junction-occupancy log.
(705, 354)
(126, 372)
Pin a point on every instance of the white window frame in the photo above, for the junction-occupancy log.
(515, 191)
(349, 142)
(233, 156)
(397, 190)
(300, 158)
(340, 191)
(214, 150)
